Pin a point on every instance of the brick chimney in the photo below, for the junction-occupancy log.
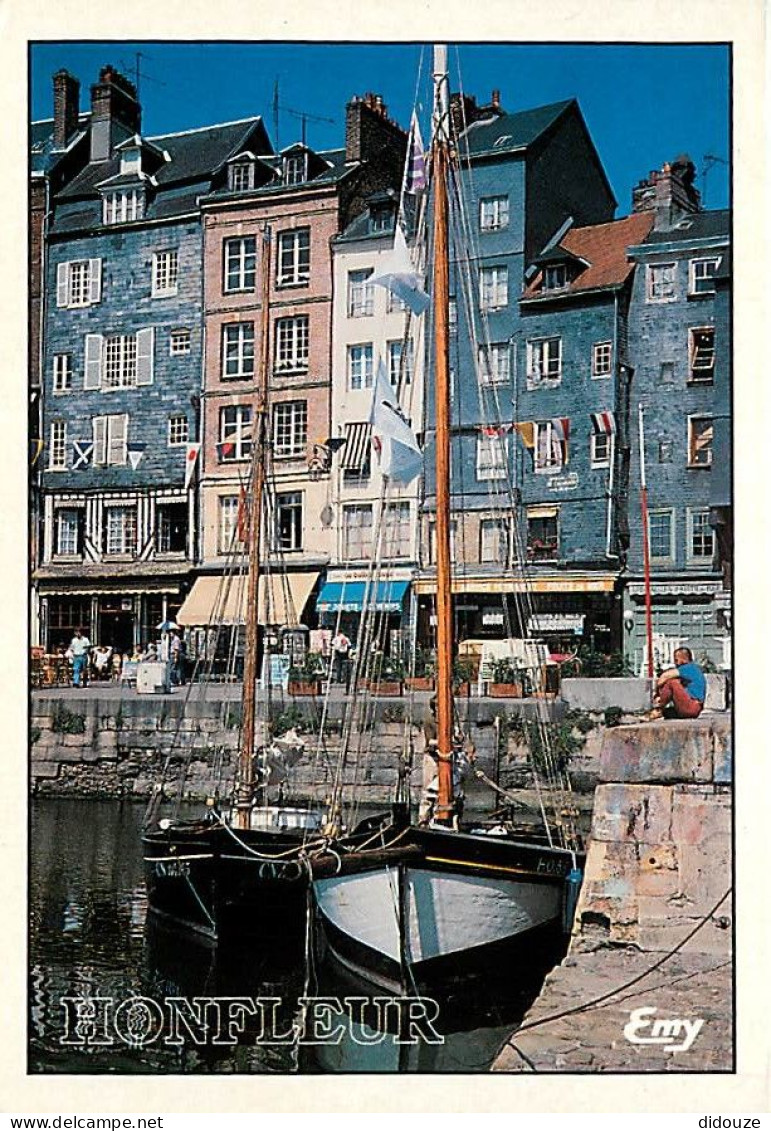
(66, 108)
(369, 130)
(115, 113)
(669, 192)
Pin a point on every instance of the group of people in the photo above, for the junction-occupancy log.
(102, 662)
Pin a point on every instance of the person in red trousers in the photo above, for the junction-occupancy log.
(681, 690)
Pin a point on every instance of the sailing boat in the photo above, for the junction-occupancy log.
(449, 899)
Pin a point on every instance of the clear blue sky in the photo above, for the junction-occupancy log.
(643, 104)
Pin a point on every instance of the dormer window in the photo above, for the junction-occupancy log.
(131, 161)
(123, 206)
(381, 218)
(242, 176)
(295, 167)
(555, 277)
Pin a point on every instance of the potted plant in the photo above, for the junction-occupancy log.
(425, 666)
(463, 672)
(388, 677)
(506, 682)
(305, 677)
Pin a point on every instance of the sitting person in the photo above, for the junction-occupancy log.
(681, 690)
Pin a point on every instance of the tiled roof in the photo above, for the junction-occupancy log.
(42, 154)
(506, 132)
(698, 226)
(603, 246)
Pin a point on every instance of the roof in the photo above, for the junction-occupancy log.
(697, 226)
(42, 154)
(603, 247)
(335, 168)
(507, 132)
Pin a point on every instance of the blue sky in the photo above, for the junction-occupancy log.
(643, 104)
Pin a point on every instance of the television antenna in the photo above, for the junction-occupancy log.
(303, 115)
(709, 161)
(137, 73)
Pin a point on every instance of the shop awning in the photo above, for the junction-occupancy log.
(538, 583)
(219, 600)
(348, 597)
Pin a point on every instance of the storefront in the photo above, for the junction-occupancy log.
(693, 613)
(343, 599)
(118, 618)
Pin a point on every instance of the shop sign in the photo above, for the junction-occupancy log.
(540, 623)
(492, 617)
(567, 482)
(127, 605)
(673, 589)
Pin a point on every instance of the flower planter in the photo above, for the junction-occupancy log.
(387, 687)
(303, 687)
(419, 683)
(504, 690)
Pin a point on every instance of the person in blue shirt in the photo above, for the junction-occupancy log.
(681, 690)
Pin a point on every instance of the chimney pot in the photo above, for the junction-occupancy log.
(66, 107)
(496, 98)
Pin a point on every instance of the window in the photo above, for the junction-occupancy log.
(602, 359)
(240, 264)
(494, 541)
(700, 433)
(293, 266)
(494, 363)
(394, 304)
(58, 453)
(121, 527)
(453, 315)
(493, 213)
(491, 455)
(79, 282)
(667, 372)
(661, 534)
(701, 537)
(69, 528)
(361, 294)
(600, 449)
(432, 540)
(360, 366)
(381, 218)
(294, 169)
(666, 451)
(701, 276)
(290, 429)
(356, 455)
(62, 372)
(165, 273)
(120, 361)
(171, 528)
(397, 533)
(357, 532)
(701, 355)
(292, 341)
(179, 342)
(544, 361)
(396, 351)
(230, 528)
(660, 282)
(555, 277)
(122, 207)
(542, 534)
(550, 451)
(235, 433)
(493, 288)
(110, 436)
(289, 521)
(238, 350)
(241, 176)
(179, 430)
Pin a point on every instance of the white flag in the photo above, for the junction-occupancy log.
(400, 457)
(400, 277)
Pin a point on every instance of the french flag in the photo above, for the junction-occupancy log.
(603, 423)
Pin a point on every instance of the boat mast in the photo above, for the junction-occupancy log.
(245, 792)
(441, 292)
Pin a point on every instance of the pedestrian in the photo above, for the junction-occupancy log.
(177, 657)
(341, 646)
(681, 690)
(79, 648)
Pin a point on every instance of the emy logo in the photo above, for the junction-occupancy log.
(675, 1034)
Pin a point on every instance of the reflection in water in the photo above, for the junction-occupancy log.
(90, 939)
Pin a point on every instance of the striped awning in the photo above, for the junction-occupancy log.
(356, 450)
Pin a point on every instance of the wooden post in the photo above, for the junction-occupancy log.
(646, 546)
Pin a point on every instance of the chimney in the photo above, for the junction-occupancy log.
(670, 193)
(496, 98)
(463, 111)
(66, 108)
(369, 130)
(115, 113)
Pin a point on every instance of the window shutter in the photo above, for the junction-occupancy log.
(100, 440)
(118, 439)
(94, 280)
(145, 356)
(62, 278)
(92, 373)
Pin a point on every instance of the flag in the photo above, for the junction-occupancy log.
(494, 429)
(415, 171)
(400, 277)
(400, 457)
(35, 451)
(603, 423)
(526, 429)
(560, 426)
(82, 452)
(135, 453)
(191, 456)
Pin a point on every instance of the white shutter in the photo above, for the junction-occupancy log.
(118, 437)
(92, 371)
(62, 280)
(100, 440)
(145, 356)
(94, 280)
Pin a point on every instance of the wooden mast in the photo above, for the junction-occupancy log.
(245, 792)
(441, 289)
